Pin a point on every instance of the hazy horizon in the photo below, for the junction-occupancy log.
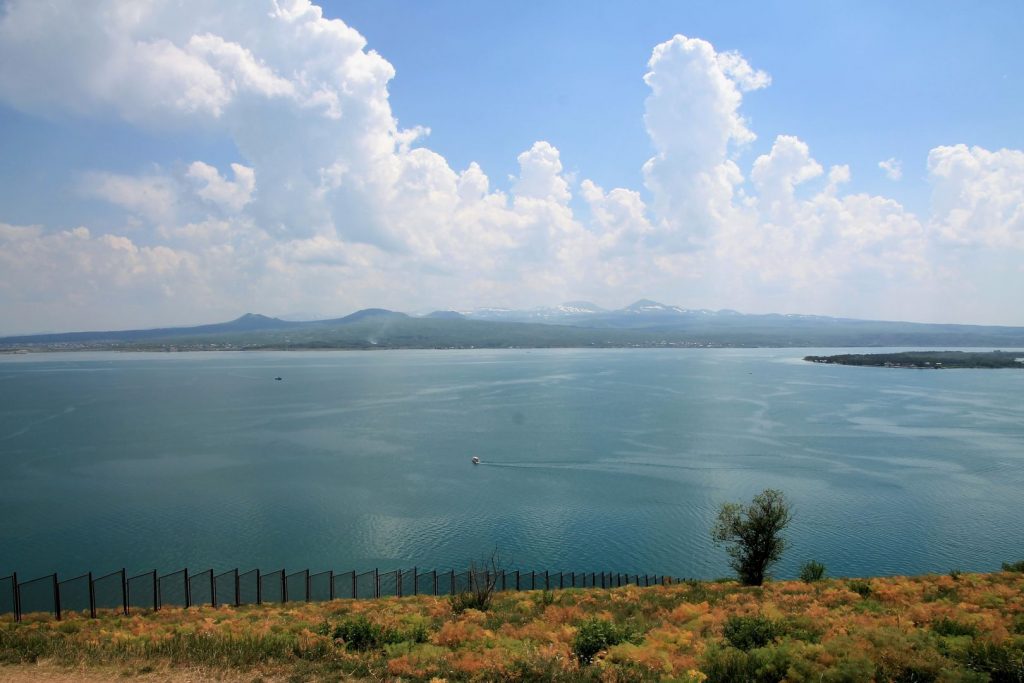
(300, 318)
(178, 163)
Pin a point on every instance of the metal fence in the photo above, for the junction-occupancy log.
(118, 593)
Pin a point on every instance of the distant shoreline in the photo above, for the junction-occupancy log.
(905, 359)
(929, 360)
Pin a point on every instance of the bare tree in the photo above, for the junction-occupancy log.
(483, 582)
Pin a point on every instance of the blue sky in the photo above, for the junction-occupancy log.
(119, 126)
(859, 82)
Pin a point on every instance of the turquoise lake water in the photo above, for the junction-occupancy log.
(592, 460)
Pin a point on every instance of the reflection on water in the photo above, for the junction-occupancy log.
(591, 460)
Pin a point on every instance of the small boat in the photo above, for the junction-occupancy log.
(475, 460)
(278, 379)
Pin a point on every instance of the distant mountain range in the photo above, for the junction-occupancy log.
(644, 323)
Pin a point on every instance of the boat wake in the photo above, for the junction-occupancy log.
(553, 465)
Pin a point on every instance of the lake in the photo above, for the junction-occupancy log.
(591, 460)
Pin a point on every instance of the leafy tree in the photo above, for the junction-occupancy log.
(753, 534)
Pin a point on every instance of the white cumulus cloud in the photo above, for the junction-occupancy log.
(978, 195)
(332, 205)
(692, 116)
(893, 168)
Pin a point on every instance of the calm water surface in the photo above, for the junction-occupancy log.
(603, 459)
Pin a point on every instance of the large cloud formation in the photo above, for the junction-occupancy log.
(331, 205)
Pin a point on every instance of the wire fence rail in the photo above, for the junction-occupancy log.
(149, 591)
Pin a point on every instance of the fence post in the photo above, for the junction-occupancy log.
(355, 585)
(259, 588)
(155, 601)
(238, 590)
(124, 589)
(92, 598)
(398, 582)
(157, 591)
(17, 596)
(415, 582)
(330, 591)
(188, 590)
(56, 597)
(307, 585)
(434, 574)
(452, 585)
(213, 589)
(517, 580)
(376, 582)
(284, 586)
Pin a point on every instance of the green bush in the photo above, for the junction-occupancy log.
(595, 635)
(860, 587)
(941, 593)
(812, 571)
(729, 665)
(359, 633)
(1013, 566)
(747, 633)
(1003, 662)
(800, 628)
(951, 627)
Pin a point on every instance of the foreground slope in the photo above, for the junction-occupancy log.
(955, 627)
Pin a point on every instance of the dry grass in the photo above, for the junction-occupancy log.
(964, 627)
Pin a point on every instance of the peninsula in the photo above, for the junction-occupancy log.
(928, 360)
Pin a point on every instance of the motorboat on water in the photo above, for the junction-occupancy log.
(475, 460)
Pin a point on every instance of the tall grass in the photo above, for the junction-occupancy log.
(833, 629)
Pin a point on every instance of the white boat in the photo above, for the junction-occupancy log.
(475, 460)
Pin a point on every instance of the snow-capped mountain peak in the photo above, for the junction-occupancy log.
(578, 307)
(648, 306)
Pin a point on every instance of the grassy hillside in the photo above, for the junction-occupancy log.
(957, 627)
